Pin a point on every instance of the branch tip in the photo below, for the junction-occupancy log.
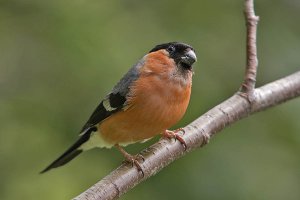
(248, 86)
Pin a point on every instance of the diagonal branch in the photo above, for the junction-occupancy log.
(196, 135)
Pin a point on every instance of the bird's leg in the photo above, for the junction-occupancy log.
(130, 158)
(174, 134)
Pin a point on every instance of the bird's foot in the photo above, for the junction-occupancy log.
(174, 134)
(133, 159)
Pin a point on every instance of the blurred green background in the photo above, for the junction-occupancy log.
(59, 58)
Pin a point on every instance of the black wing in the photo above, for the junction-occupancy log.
(116, 100)
(111, 104)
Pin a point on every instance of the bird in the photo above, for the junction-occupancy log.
(149, 99)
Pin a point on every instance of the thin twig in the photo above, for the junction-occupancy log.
(247, 88)
(196, 135)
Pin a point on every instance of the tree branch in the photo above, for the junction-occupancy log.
(252, 61)
(196, 135)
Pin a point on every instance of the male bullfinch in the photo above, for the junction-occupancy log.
(151, 97)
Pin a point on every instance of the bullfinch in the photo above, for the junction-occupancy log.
(150, 98)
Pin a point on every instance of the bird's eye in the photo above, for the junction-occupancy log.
(171, 49)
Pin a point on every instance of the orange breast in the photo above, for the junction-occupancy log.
(156, 102)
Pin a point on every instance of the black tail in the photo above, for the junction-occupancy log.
(71, 153)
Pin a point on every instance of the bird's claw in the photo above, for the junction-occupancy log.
(174, 134)
(134, 160)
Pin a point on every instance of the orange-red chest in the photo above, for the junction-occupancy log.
(157, 100)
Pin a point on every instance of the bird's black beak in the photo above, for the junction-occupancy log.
(188, 59)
